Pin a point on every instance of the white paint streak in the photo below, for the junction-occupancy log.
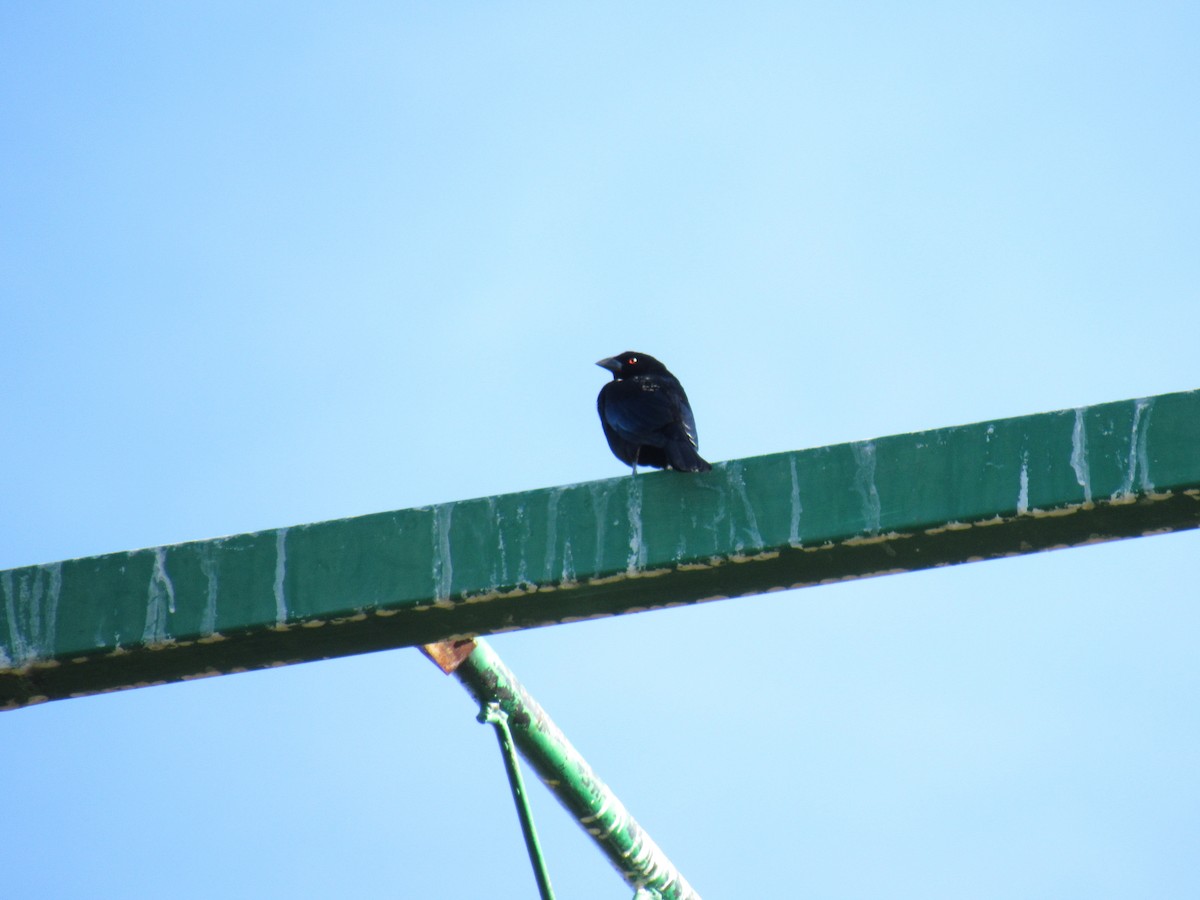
(443, 564)
(568, 566)
(864, 483)
(10, 616)
(1138, 464)
(552, 530)
(500, 560)
(718, 517)
(737, 481)
(31, 612)
(1023, 490)
(1079, 458)
(208, 568)
(1142, 415)
(637, 546)
(160, 600)
(6, 661)
(50, 613)
(523, 552)
(797, 507)
(281, 610)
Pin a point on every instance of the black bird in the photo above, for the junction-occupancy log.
(646, 416)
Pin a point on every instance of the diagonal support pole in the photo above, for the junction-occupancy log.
(560, 766)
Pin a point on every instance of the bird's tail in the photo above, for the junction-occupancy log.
(684, 458)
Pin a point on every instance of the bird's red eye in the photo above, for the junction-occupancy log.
(631, 361)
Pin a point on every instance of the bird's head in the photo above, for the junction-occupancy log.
(630, 363)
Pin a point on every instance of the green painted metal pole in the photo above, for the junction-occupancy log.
(626, 544)
(639, 860)
(492, 714)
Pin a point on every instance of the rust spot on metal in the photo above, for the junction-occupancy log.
(449, 655)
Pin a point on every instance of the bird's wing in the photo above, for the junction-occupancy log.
(640, 411)
(688, 421)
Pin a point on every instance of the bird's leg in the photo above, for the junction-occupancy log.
(636, 454)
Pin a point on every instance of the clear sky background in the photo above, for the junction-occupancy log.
(267, 264)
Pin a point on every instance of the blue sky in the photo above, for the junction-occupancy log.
(271, 265)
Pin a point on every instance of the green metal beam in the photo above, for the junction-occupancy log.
(625, 544)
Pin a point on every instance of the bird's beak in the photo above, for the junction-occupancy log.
(611, 363)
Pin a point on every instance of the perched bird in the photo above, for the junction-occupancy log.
(646, 416)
